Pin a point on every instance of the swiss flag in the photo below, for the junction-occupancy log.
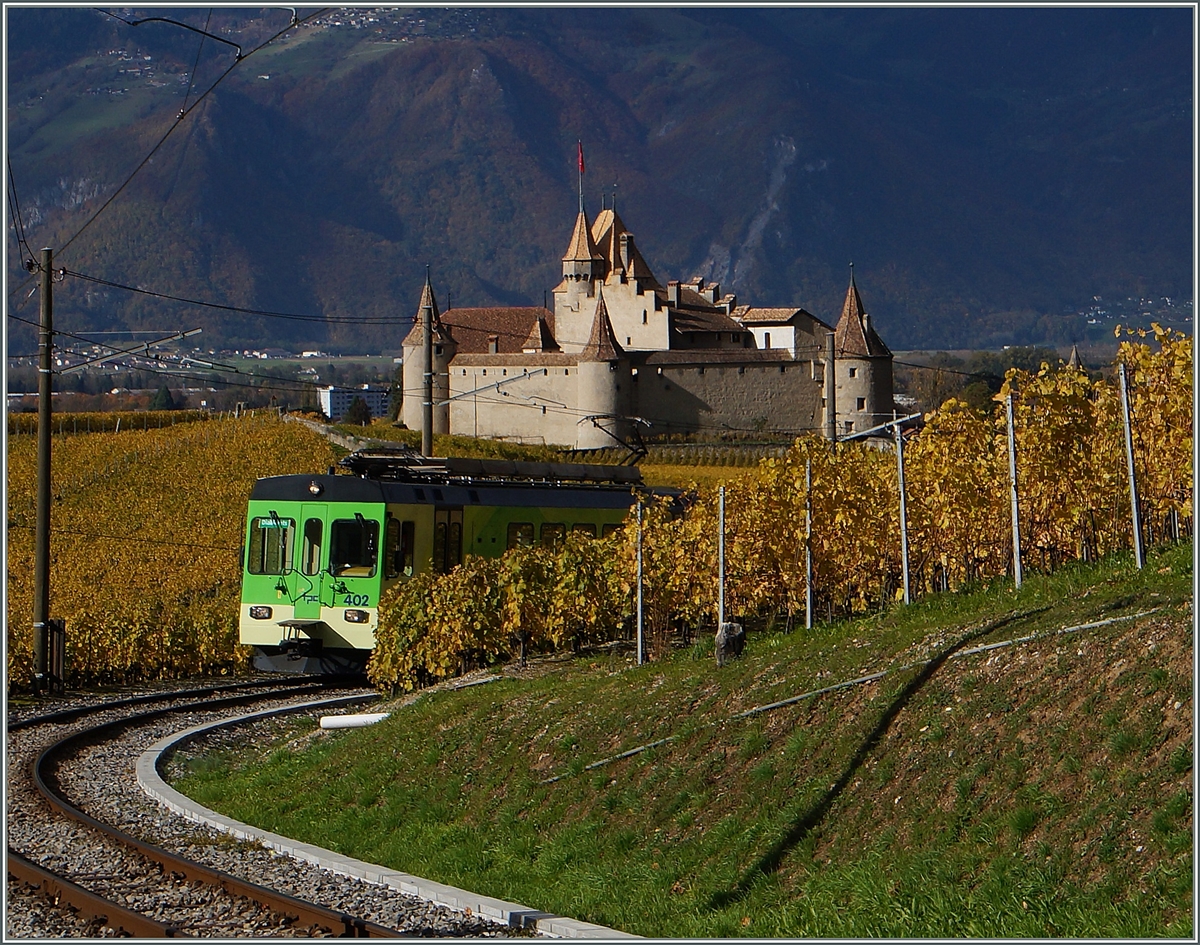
(580, 157)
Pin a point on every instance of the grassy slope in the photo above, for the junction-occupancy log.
(1042, 789)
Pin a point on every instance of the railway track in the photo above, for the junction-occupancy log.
(114, 863)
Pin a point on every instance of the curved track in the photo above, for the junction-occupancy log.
(79, 834)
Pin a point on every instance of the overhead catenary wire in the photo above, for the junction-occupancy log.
(196, 64)
(14, 209)
(183, 113)
(235, 309)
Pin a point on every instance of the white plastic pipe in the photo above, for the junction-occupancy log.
(352, 721)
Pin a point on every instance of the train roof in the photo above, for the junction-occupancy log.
(402, 477)
(401, 464)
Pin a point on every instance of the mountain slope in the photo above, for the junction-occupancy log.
(985, 169)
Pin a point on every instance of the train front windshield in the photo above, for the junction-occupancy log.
(354, 545)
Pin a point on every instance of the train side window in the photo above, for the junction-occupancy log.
(607, 530)
(587, 528)
(407, 543)
(553, 534)
(270, 545)
(391, 548)
(310, 548)
(447, 539)
(398, 555)
(353, 545)
(520, 533)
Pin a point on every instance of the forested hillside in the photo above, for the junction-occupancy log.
(988, 171)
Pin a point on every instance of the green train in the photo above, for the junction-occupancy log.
(320, 550)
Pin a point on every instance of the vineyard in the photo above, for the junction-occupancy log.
(146, 525)
(147, 519)
(1071, 479)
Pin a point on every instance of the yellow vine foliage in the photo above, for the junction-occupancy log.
(1074, 502)
(146, 526)
(148, 523)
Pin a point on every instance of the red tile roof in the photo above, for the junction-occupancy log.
(511, 326)
(855, 336)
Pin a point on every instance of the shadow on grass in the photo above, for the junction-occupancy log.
(773, 858)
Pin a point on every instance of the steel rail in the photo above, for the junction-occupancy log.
(294, 909)
(59, 889)
(78, 712)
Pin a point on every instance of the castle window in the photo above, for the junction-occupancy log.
(860, 403)
(485, 372)
(700, 369)
(437, 349)
(735, 337)
(782, 368)
(766, 339)
(505, 372)
(854, 372)
(464, 372)
(645, 317)
(628, 340)
(741, 369)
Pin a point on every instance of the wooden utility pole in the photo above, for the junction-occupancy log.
(41, 564)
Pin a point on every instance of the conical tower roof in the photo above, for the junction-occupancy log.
(441, 332)
(583, 247)
(602, 343)
(1074, 361)
(855, 336)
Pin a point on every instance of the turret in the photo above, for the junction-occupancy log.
(604, 386)
(413, 372)
(863, 368)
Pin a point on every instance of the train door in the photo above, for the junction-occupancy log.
(313, 555)
(447, 539)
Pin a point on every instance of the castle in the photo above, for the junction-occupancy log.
(622, 357)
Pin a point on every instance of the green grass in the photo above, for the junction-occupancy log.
(1036, 790)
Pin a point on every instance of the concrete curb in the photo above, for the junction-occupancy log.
(506, 913)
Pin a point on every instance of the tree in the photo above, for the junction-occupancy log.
(359, 413)
(163, 400)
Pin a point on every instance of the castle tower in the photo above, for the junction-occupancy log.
(863, 369)
(604, 388)
(413, 371)
(582, 268)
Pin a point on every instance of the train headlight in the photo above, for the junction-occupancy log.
(315, 487)
(357, 616)
(259, 612)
